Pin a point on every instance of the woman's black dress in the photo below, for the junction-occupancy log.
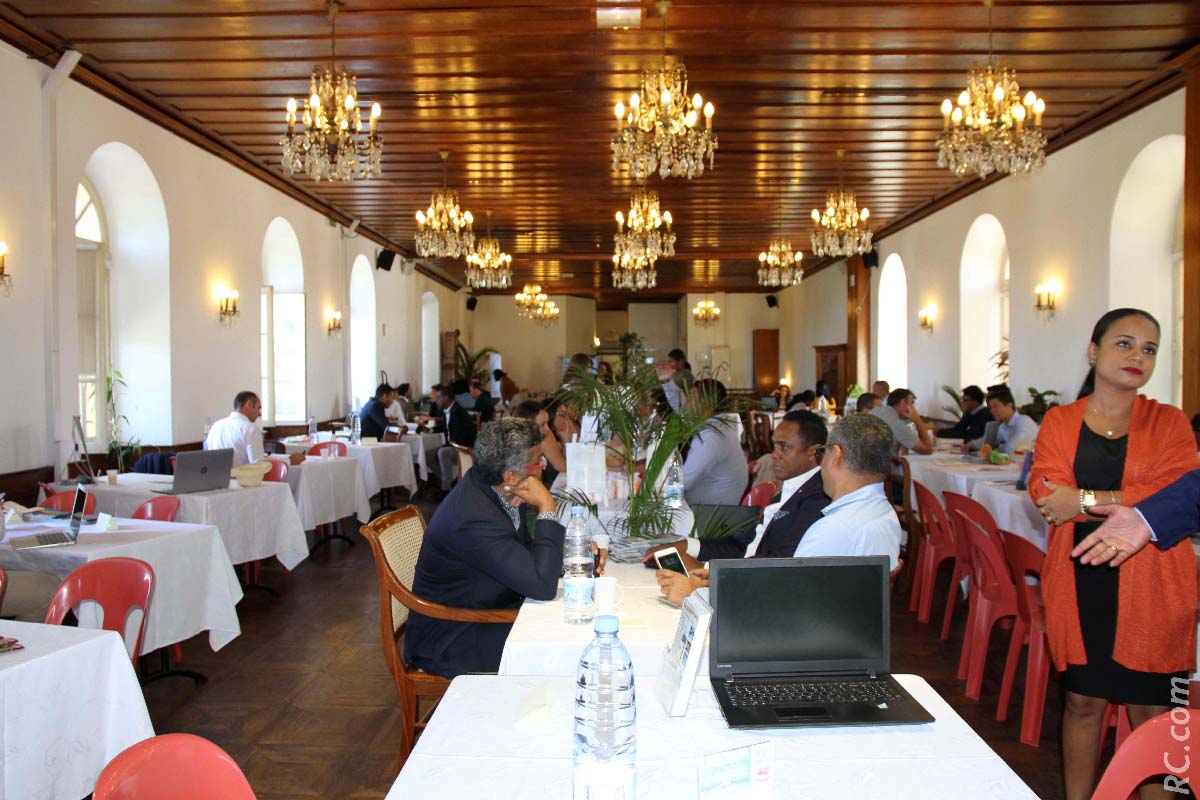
(1099, 465)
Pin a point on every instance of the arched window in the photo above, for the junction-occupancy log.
(282, 331)
(893, 323)
(363, 372)
(1145, 252)
(91, 306)
(431, 350)
(983, 302)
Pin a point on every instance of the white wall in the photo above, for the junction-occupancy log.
(741, 315)
(811, 314)
(1057, 223)
(533, 353)
(611, 326)
(658, 325)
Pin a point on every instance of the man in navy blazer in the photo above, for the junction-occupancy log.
(494, 541)
(1167, 517)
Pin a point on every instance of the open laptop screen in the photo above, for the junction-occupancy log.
(781, 615)
(77, 508)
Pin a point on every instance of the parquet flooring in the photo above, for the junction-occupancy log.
(304, 702)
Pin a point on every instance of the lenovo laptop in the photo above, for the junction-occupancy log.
(803, 642)
(201, 471)
(57, 538)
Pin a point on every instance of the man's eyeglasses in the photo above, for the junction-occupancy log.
(819, 453)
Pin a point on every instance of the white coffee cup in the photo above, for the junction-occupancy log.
(112, 476)
(608, 594)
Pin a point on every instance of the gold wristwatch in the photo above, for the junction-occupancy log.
(1087, 499)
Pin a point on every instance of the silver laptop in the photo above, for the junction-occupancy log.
(57, 538)
(201, 471)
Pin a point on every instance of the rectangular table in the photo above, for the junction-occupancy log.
(1013, 509)
(384, 464)
(195, 587)
(511, 737)
(71, 702)
(949, 473)
(255, 523)
(329, 489)
(540, 643)
(425, 447)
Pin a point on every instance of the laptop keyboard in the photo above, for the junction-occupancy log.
(44, 539)
(822, 692)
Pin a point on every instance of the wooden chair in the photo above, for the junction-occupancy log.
(910, 518)
(760, 433)
(395, 540)
(393, 436)
(896, 572)
(466, 458)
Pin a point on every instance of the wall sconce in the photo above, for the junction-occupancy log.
(227, 305)
(5, 276)
(926, 316)
(1047, 298)
(333, 322)
(595, 341)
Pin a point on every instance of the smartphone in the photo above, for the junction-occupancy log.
(669, 558)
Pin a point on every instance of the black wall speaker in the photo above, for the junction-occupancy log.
(384, 260)
(472, 302)
(772, 301)
(871, 259)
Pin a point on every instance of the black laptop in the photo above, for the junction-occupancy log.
(805, 641)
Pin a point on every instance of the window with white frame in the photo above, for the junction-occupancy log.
(91, 283)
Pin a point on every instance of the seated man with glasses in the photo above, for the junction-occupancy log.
(493, 541)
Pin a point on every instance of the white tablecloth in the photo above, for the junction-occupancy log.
(1013, 510)
(255, 523)
(329, 489)
(542, 644)
(488, 738)
(385, 465)
(949, 473)
(195, 587)
(71, 702)
(425, 447)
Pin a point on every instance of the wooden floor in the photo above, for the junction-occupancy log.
(304, 702)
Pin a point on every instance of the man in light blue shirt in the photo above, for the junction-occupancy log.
(1010, 429)
(859, 521)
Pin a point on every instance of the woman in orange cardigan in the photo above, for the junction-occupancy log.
(1119, 635)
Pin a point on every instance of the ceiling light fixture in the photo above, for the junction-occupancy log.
(842, 227)
(443, 229)
(488, 265)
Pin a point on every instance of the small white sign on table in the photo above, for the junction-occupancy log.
(587, 470)
(681, 659)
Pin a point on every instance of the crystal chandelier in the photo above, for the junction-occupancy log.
(777, 265)
(533, 304)
(992, 128)
(331, 145)
(706, 313)
(660, 130)
(842, 227)
(640, 240)
(444, 230)
(488, 265)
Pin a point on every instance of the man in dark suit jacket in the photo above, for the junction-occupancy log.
(459, 426)
(794, 459)
(372, 421)
(494, 541)
(1166, 518)
(975, 417)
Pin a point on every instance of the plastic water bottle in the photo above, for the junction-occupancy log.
(207, 428)
(312, 428)
(578, 583)
(822, 407)
(605, 719)
(356, 431)
(673, 491)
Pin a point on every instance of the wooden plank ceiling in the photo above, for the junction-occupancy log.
(522, 93)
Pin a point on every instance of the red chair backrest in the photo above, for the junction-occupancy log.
(64, 501)
(160, 509)
(278, 471)
(335, 448)
(118, 584)
(1152, 749)
(933, 517)
(760, 495)
(973, 510)
(988, 566)
(1025, 559)
(172, 465)
(176, 765)
(3, 585)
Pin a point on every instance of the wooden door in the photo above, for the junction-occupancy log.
(766, 360)
(831, 368)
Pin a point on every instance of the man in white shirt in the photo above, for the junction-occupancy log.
(241, 431)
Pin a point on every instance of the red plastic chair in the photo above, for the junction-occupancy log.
(48, 489)
(993, 598)
(159, 509)
(976, 512)
(1025, 560)
(65, 501)
(1152, 749)
(937, 547)
(3, 585)
(335, 449)
(172, 465)
(962, 568)
(176, 765)
(760, 495)
(278, 472)
(118, 584)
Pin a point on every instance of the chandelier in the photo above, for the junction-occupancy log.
(842, 227)
(640, 240)
(706, 313)
(992, 128)
(443, 229)
(488, 265)
(533, 304)
(777, 265)
(661, 129)
(331, 145)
